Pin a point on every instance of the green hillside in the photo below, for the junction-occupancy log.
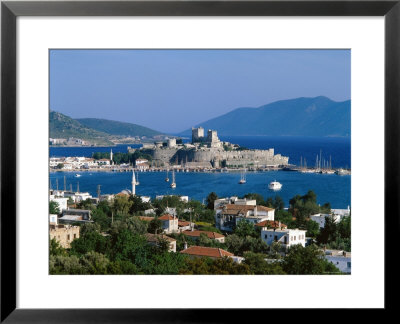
(62, 126)
(117, 128)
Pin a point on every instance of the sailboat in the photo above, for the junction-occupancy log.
(137, 179)
(167, 179)
(242, 177)
(173, 184)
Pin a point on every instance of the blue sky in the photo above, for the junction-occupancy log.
(172, 90)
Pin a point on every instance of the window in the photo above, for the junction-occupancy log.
(348, 264)
(266, 236)
(68, 237)
(295, 237)
(74, 236)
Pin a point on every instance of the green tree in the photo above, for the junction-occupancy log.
(56, 248)
(258, 264)
(54, 207)
(244, 228)
(329, 232)
(255, 196)
(312, 228)
(122, 204)
(212, 196)
(155, 226)
(304, 260)
(90, 241)
(95, 263)
(65, 265)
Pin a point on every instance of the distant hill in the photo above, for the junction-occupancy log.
(117, 128)
(317, 116)
(62, 126)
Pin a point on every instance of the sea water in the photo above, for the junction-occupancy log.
(330, 188)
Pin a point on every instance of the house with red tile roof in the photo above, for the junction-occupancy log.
(202, 251)
(271, 224)
(184, 225)
(211, 235)
(169, 223)
(227, 216)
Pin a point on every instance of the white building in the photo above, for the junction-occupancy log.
(142, 164)
(228, 216)
(81, 196)
(145, 199)
(62, 202)
(53, 219)
(287, 237)
(181, 198)
(320, 219)
(341, 212)
(233, 200)
(340, 259)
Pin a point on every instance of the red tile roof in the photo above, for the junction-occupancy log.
(270, 223)
(183, 223)
(211, 235)
(206, 251)
(146, 218)
(156, 237)
(242, 209)
(166, 217)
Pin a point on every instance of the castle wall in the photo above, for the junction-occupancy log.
(216, 156)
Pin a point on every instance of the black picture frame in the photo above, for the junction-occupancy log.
(10, 10)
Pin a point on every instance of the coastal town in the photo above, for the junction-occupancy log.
(127, 233)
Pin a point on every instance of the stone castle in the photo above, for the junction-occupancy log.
(209, 151)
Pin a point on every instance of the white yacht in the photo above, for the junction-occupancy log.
(275, 185)
(167, 179)
(242, 177)
(77, 175)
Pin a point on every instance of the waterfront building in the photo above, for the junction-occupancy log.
(181, 198)
(228, 216)
(64, 234)
(340, 259)
(211, 235)
(287, 237)
(103, 162)
(155, 239)
(142, 164)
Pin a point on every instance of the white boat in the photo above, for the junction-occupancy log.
(275, 185)
(77, 175)
(173, 184)
(167, 179)
(242, 177)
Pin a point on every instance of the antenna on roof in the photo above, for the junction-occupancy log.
(77, 187)
(98, 191)
(57, 184)
(65, 184)
(70, 187)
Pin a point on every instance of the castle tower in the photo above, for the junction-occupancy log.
(197, 134)
(133, 183)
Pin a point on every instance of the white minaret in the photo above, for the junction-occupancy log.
(111, 157)
(133, 183)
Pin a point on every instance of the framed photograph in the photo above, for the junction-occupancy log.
(167, 147)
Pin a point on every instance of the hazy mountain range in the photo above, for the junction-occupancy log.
(319, 116)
